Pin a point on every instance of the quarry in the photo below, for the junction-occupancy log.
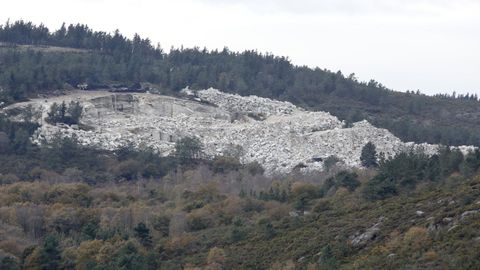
(278, 135)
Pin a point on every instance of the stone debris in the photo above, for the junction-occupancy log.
(419, 213)
(277, 134)
(363, 239)
(469, 213)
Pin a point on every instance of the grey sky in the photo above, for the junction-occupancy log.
(404, 44)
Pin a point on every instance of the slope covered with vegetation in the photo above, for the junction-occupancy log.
(64, 206)
(32, 61)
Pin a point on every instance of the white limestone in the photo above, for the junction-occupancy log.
(277, 134)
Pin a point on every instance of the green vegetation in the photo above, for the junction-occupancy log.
(62, 114)
(191, 218)
(66, 206)
(188, 149)
(101, 60)
(369, 155)
(143, 234)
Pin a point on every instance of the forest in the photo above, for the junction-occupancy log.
(35, 60)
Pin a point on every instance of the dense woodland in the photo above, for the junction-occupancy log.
(36, 60)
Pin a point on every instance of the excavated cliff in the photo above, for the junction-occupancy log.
(278, 135)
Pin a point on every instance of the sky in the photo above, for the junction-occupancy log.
(430, 45)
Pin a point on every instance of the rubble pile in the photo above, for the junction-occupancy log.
(278, 135)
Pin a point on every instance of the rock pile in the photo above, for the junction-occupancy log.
(278, 135)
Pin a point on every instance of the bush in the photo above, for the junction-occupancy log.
(216, 258)
(322, 205)
(330, 162)
(327, 259)
(266, 228)
(128, 169)
(197, 223)
(301, 189)
(379, 188)
(8, 263)
(348, 180)
(8, 179)
(237, 234)
(223, 164)
(161, 224)
(254, 168)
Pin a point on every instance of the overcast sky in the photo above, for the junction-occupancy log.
(431, 45)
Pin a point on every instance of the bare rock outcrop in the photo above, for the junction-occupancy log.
(276, 134)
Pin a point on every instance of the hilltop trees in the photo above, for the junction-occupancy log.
(76, 36)
(112, 57)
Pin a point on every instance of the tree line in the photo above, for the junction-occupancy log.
(113, 58)
(78, 36)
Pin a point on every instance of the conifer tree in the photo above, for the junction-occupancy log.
(369, 155)
(143, 234)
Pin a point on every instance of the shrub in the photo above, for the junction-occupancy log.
(322, 205)
(197, 223)
(416, 238)
(8, 179)
(216, 258)
(379, 188)
(266, 228)
(128, 169)
(254, 168)
(301, 189)
(330, 162)
(161, 224)
(327, 259)
(430, 256)
(224, 164)
(8, 263)
(347, 179)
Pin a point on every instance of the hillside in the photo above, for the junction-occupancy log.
(117, 155)
(278, 135)
(112, 60)
(218, 216)
(65, 204)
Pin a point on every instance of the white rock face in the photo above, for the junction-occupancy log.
(277, 134)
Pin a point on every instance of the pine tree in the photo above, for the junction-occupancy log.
(75, 110)
(50, 254)
(369, 155)
(143, 234)
(9, 263)
(327, 259)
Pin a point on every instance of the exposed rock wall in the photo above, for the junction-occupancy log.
(277, 134)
